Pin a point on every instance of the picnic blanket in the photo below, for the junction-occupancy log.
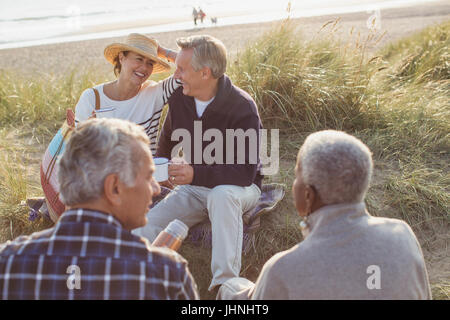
(200, 234)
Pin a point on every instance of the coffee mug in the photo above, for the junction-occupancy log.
(161, 169)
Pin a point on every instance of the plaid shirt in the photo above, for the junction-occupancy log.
(88, 255)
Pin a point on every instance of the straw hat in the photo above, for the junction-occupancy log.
(140, 44)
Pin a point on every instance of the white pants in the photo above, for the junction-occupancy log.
(236, 289)
(224, 205)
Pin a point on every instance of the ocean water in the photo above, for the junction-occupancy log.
(33, 22)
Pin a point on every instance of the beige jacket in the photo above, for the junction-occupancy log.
(348, 254)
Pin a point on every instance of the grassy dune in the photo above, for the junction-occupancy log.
(396, 100)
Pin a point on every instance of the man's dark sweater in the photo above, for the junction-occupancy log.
(232, 108)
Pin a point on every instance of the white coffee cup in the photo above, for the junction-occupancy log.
(161, 169)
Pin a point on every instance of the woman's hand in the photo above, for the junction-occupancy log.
(166, 53)
(161, 52)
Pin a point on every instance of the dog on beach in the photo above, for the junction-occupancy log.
(214, 20)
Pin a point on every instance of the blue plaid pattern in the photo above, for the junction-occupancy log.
(113, 263)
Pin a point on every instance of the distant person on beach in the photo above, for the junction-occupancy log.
(201, 14)
(221, 190)
(346, 253)
(131, 96)
(106, 178)
(195, 15)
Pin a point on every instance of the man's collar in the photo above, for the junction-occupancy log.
(222, 94)
(86, 215)
(330, 213)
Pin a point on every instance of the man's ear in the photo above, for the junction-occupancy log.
(112, 189)
(206, 73)
(310, 197)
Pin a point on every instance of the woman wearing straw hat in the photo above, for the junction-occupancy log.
(131, 96)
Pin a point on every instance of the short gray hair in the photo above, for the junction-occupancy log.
(96, 149)
(338, 165)
(208, 52)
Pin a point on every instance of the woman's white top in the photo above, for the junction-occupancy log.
(143, 109)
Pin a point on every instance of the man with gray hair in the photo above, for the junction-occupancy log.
(346, 253)
(209, 187)
(106, 178)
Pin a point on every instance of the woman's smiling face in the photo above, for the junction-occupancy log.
(135, 67)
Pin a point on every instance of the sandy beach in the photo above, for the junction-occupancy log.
(62, 57)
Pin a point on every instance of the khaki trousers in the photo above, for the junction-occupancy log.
(223, 205)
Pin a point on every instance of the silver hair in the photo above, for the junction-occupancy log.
(338, 165)
(208, 52)
(96, 149)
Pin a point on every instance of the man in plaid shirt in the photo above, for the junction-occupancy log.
(106, 181)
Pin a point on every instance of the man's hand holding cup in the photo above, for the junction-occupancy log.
(180, 172)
